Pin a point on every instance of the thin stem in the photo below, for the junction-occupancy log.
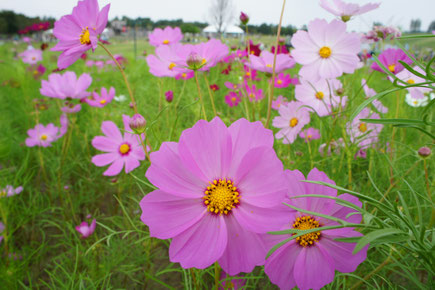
(269, 107)
(200, 95)
(179, 97)
(393, 134)
(369, 275)
(429, 194)
(211, 95)
(144, 147)
(217, 273)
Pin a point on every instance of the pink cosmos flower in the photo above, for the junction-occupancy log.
(346, 10)
(99, 64)
(233, 99)
(101, 100)
(334, 146)
(362, 133)
(122, 151)
(78, 32)
(382, 33)
(292, 118)
(167, 36)
(280, 101)
(253, 93)
(390, 59)
(185, 75)
(310, 261)
(253, 49)
(310, 134)
(361, 153)
(217, 187)
(210, 53)
(71, 108)
(45, 135)
(9, 191)
(2, 228)
(90, 63)
(166, 62)
(320, 95)
(370, 93)
(326, 51)
(26, 39)
(250, 74)
(31, 56)
(282, 49)
(169, 95)
(86, 230)
(264, 62)
(233, 87)
(282, 80)
(36, 70)
(410, 78)
(66, 86)
(241, 53)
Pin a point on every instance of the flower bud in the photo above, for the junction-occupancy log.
(195, 61)
(137, 123)
(424, 152)
(169, 96)
(244, 18)
(339, 91)
(345, 18)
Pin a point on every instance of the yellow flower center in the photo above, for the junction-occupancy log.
(203, 61)
(319, 95)
(102, 102)
(269, 65)
(251, 95)
(221, 196)
(294, 122)
(85, 36)
(165, 41)
(33, 58)
(252, 52)
(310, 136)
(362, 127)
(124, 148)
(410, 81)
(325, 52)
(233, 99)
(35, 72)
(3, 193)
(184, 75)
(248, 74)
(306, 223)
(44, 137)
(415, 102)
(171, 65)
(279, 82)
(392, 67)
(235, 86)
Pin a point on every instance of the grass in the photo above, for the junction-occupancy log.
(62, 186)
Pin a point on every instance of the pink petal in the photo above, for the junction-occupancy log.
(115, 168)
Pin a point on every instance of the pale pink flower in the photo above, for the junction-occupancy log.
(166, 62)
(292, 118)
(9, 191)
(264, 62)
(31, 56)
(280, 101)
(167, 36)
(410, 78)
(370, 93)
(101, 100)
(66, 86)
(361, 133)
(86, 230)
(310, 134)
(71, 108)
(347, 10)
(44, 135)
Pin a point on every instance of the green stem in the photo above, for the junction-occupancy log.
(200, 95)
(211, 95)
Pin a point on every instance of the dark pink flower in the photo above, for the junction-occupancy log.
(214, 87)
(253, 94)
(102, 99)
(86, 230)
(390, 59)
(282, 80)
(244, 18)
(233, 99)
(169, 95)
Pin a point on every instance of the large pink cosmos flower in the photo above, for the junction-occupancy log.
(292, 118)
(167, 36)
(326, 51)
(122, 151)
(347, 10)
(66, 86)
(45, 135)
(390, 59)
(166, 62)
(309, 262)
(264, 62)
(78, 31)
(320, 96)
(362, 133)
(216, 190)
(86, 230)
(101, 100)
(369, 92)
(9, 191)
(31, 56)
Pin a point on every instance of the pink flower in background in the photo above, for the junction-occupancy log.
(280, 101)
(253, 49)
(217, 189)
(71, 108)
(292, 118)
(369, 92)
(310, 261)
(362, 133)
(66, 86)
(320, 95)
(78, 32)
(282, 80)
(167, 36)
(169, 95)
(9, 191)
(2, 228)
(326, 50)
(26, 39)
(99, 64)
(31, 56)
(347, 10)
(45, 135)
(185, 75)
(334, 147)
(417, 99)
(102, 99)
(241, 53)
(166, 62)
(233, 87)
(86, 230)
(390, 59)
(361, 153)
(37, 70)
(122, 151)
(250, 74)
(310, 134)
(264, 62)
(90, 63)
(232, 99)
(253, 93)
(410, 78)
(214, 87)
(282, 49)
(210, 53)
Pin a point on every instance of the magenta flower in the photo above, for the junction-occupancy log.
(309, 262)
(280, 101)
(214, 87)
(250, 74)
(370, 93)
(78, 32)
(45, 135)
(264, 62)
(9, 191)
(66, 86)
(362, 133)
(101, 100)
(71, 108)
(216, 190)
(292, 118)
(390, 59)
(241, 53)
(31, 56)
(165, 36)
(326, 51)
(253, 93)
(122, 151)
(346, 10)
(2, 228)
(282, 49)
(310, 134)
(233, 99)
(36, 70)
(233, 87)
(169, 95)
(382, 33)
(361, 153)
(282, 80)
(334, 146)
(86, 230)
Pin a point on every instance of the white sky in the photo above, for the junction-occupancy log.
(297, 12)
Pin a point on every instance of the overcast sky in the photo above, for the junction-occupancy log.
(297, 12)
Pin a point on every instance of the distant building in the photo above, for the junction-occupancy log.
(228, 31)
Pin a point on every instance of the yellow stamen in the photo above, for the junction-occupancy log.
(325, 52)
(392, 67)
(410, 81)
(294, 122)
(233, 99)
(102, 102)
(319, 95)
(279, 82)
(85, 36)
(362, 127)
(221, 196)
(124, 148)
(307, 223)
(248, 74)
(44, 137)
(172, 65)
(184, 75)
(165, 41)
(269, 65)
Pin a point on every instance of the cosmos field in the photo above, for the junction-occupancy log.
(220, 164)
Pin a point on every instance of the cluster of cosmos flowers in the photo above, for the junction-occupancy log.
(222, 189)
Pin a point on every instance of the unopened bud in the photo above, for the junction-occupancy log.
(195, 61)
(244, 18)
(169, 96)
(137, 123)
(345, 18)
(424, 152)
(340, 91)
